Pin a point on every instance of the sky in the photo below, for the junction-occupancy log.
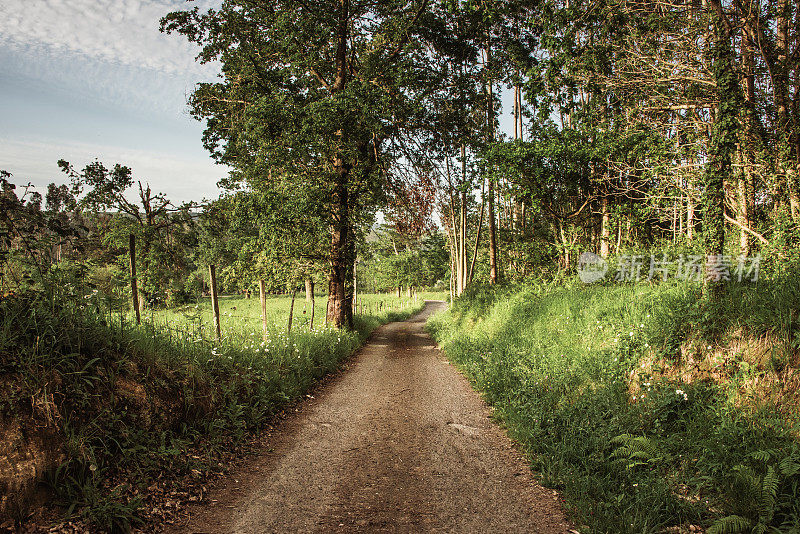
(94, 79)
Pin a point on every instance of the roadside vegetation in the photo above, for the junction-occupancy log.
(239, 314)
(117, 396)
(648, 405)
(114, 414)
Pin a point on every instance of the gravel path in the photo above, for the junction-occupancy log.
(397, 443)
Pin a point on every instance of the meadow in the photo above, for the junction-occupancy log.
(240, 315)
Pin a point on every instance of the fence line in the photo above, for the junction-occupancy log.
(196, 326)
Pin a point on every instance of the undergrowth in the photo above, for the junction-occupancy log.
(635, 451)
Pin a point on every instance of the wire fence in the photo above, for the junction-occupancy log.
(199, 325)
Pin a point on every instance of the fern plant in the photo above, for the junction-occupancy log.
(634, 451)
(765, 502)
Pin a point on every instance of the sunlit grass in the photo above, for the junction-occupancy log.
(633, 452)
(196, 396)
(240, 317)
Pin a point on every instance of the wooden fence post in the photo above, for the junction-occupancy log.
(291, 311)
(311, 323)
(355, 285)
(214, 302)
(134, 288)
(262, 291)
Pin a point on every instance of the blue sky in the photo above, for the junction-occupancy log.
(95, 79)
(86, 79)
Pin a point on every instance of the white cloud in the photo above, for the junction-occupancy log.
(180, 178)
(94, 84)
(113, 31)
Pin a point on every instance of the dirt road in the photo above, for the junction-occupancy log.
(397, 443)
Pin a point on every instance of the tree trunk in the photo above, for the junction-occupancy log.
(723, 144)
(471, 270)
(452, 277)
(462, 267)
(748, 157)
(212, 271)
(311, 321)
(134, 287)
(309, 290)
(340, 306)
(494, 274)
(561, 236)
(458, 229)
(262, 293)
(780, 84)
(743, 212)
(355, 287)
(605, 229)
(516, 112)
(291, 311)
(690, 208)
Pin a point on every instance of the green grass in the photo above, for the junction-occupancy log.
(130, 403)
(239, 314)
(557, 363)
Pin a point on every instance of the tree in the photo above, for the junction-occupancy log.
(313, 98)
(256, 236)
(32, 239)
(164, 231)
(723, 141)
(396, 260)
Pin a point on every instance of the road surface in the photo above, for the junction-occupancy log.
(399, 442)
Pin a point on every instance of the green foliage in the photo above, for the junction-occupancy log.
(165, 234)
(722, 144)
(636, 451)
(764, 496)
(31, 238)
(312, 107)
(394, 260)
(262, 235)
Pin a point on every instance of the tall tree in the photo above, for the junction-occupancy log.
(723, 141)
(313, 96)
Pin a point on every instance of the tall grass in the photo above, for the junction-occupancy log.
(632, 450)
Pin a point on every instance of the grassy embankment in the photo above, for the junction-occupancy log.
(109, 413)
(650, 408)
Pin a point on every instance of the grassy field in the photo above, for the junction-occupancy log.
(240, 315)
(650, 408)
